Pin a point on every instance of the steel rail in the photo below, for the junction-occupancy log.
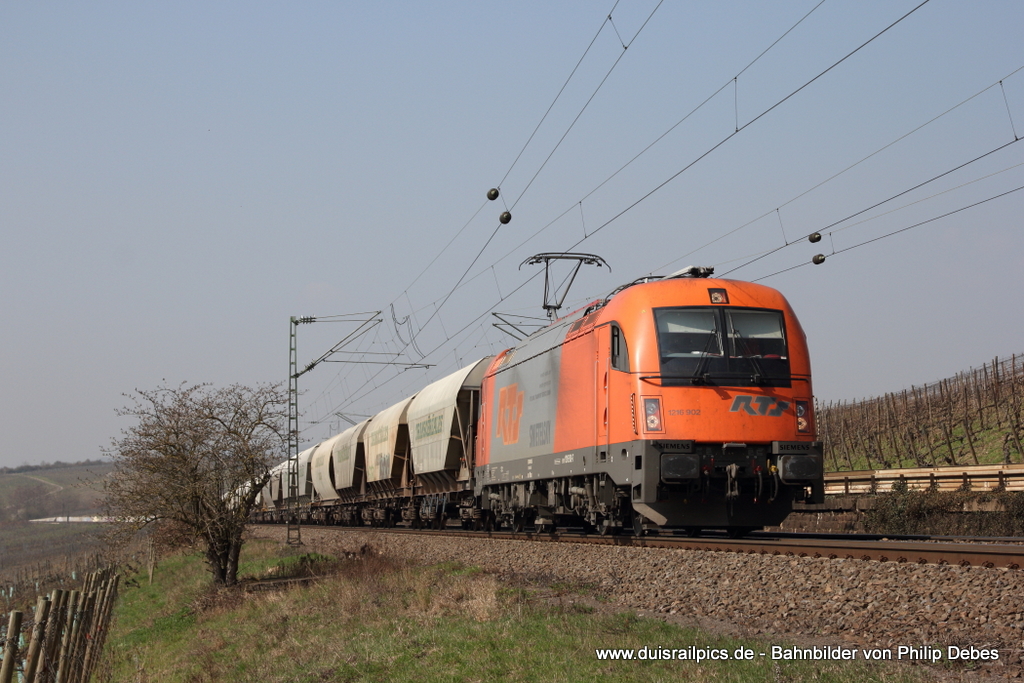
(986, 555)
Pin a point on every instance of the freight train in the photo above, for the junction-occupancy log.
(679, 403)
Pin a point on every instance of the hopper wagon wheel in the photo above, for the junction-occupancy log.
(518, 524)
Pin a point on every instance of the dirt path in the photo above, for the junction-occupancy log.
(43, 481)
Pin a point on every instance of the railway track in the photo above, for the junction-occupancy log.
(986, 555)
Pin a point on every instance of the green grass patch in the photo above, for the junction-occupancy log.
(373, 618)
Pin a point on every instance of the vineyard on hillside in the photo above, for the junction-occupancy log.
(972, 418)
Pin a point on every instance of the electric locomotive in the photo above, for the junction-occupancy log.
(682, 402)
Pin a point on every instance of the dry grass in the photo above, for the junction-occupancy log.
(370, 617)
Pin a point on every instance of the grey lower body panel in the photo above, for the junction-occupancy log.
(674, 484)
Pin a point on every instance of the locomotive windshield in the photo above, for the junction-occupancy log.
(722, 346)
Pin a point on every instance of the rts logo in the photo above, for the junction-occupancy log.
(766, 405)
(510, 410)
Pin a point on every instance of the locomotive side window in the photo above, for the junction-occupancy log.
(722, 346)
(620, 354)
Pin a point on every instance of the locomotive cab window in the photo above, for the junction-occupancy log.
(619, 354)
(722, 346)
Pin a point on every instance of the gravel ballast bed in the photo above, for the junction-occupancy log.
(876, 604)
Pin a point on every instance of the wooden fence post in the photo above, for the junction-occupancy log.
(11, 647)
(38, 634)
(58, 613)
(70, 624)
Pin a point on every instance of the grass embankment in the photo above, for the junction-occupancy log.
(372, 618)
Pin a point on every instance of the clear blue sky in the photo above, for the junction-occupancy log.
(177, 179)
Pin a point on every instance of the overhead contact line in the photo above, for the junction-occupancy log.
(890, 234)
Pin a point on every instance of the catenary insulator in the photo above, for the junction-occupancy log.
(818, 259)
(505, 217)
(814, 237)
(492, 193)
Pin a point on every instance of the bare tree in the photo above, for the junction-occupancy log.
(197, 458)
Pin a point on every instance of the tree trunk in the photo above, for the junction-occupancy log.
(231, 575)
(217, 559)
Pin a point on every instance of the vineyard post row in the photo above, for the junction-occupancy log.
(65, 635)
(974, 417)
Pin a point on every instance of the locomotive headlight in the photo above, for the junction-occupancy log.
(803, 416)
(652, 413)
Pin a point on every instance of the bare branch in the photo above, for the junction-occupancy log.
(197, 456)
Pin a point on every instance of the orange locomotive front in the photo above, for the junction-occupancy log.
(683, 402)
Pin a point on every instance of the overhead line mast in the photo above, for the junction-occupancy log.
(364, 323)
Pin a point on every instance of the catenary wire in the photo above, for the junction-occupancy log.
(876, 205)
(661, 185)
(747, 124)
(587, 104)
(650, 145)
(896, 232)
(836, 175)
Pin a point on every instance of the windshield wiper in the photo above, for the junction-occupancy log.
(758, 377)
(699, 377)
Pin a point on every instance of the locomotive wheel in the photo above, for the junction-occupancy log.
(692, 531)
(638, 525)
